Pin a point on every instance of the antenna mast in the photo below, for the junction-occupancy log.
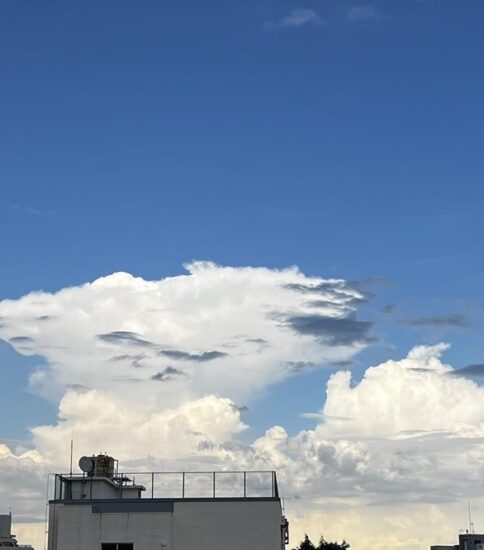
(72, 452)
(471, 525)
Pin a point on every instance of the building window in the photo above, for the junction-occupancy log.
(117, 546)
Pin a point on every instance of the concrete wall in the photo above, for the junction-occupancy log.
(5, 526)
(77, 528)
(188, 525)
(95, 488)
(221, 525)
(471, 541)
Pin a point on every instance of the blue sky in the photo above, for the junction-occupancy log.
(137, 136)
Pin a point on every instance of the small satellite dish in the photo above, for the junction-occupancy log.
(86, 464)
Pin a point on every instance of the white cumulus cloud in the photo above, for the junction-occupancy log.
(154, 372)
(216, 330)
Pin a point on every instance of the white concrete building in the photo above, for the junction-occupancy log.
(467, 541)
(103, 509)
(7, 540)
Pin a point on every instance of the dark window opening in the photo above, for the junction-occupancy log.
(117, 546)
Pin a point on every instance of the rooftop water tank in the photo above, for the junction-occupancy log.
(103, 466)
(98, 466)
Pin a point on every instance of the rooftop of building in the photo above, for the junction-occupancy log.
(102, 480)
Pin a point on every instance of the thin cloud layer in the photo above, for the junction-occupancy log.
(297, 18)
(361, 14)
(471, 371)
(452, 320)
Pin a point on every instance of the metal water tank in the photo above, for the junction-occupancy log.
(103, 466)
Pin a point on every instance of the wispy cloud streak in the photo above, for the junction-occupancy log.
(297, 18)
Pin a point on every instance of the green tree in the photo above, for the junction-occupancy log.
(306, 544)
(325, 545)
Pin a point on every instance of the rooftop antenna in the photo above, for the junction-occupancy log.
(72, 452)
(471, 525)
(46, 528)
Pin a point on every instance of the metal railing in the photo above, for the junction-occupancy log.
(175, 485)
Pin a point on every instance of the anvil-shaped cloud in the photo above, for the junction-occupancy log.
(226, 331)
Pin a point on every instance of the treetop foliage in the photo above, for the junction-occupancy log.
(306, 544)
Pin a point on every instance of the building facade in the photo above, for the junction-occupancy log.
(105, 510)
(467, 541)
(7, 540)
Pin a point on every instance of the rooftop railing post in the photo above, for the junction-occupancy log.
(245, 484)
(183, 485)
(152, 484)
(213, 484)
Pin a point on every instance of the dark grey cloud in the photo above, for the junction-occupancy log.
(257, 341)
(471, 371)
(22, 340)
(332, 292)
(325, 304)
(452, 320)
(312, 289)
(198, 357)
(365, 282)
(124, 337)
(304, 366)
(127, 379)
(206, 445)
(168, 374)
(128, 357)
(239, 408)
(135, 360)
(45, 318)
(299, 366)
(389, 308)
(342, 364)
(334, 331)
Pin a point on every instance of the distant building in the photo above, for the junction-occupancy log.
(103, 509)
(7, 540)
(467, 541)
